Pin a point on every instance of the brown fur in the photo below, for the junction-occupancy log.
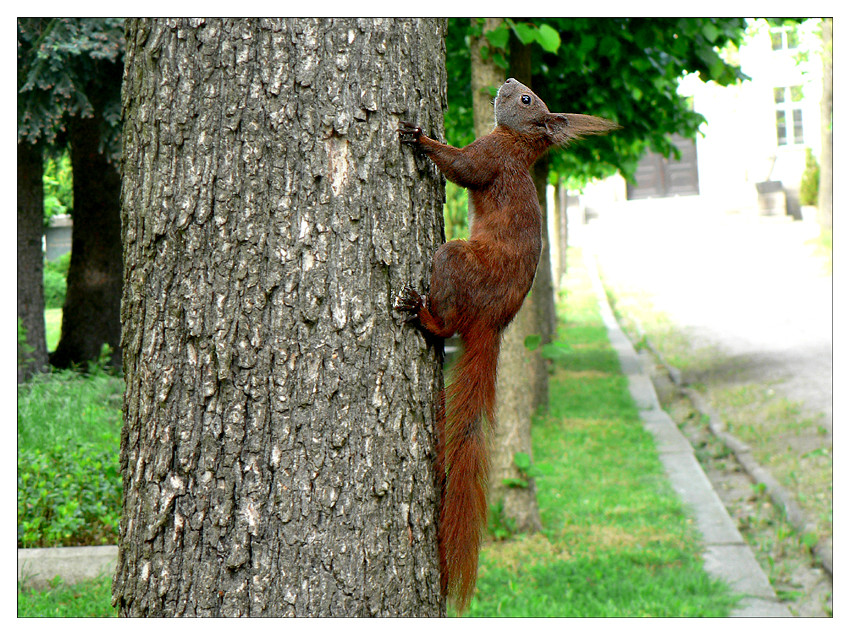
(477, 287)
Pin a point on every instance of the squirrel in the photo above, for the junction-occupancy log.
(477, 287)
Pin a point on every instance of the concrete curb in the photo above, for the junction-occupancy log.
(781, 497)
(37, 567)
(727, 556)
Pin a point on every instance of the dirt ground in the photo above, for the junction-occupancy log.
(750, 298)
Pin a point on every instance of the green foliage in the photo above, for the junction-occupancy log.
(527, 471)
(555, 351)
(460, 130)
(455, 212)
(526, 32)
(68, 496)
(25, 351)
(58, 186)
(628, 70)
(69, 485)
(55, 281)
(811, 180)
(68, 67)
(499, 526)
(623, 69)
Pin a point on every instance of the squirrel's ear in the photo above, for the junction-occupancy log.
(582, 125)
(556, 125)
(564, 127)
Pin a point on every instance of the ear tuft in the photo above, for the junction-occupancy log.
(569, 126)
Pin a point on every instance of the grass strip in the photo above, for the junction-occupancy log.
(86, 599)
(617, 541)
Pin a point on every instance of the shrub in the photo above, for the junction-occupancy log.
(25, 351)
(68, 496)
(55, 281)
(811, 179)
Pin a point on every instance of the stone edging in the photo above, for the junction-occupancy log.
(727, 556)
(780, 496)
(37, 567)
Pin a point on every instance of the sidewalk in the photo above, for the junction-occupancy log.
(727, 555)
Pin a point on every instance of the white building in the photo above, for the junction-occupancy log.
(755, 131)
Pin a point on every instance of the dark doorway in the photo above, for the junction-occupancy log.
(658, 176)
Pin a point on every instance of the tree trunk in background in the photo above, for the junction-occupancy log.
(31, 259)
(517, 386)
(543, 291)
(486, 75)
(91, 316)
(825, 185)
(559, 240)
(279, 436)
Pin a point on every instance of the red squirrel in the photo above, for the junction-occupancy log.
(477, 287)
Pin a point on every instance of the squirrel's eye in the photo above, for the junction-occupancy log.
(526, 99)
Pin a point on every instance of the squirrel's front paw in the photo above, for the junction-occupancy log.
(408, 299)
(409, 132)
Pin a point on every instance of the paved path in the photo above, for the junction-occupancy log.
(727, 556)
(747, 285)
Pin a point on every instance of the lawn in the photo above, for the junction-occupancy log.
(616, 539)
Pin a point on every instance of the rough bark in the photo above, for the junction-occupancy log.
(278, 441)
(91, 315)
(31, 258)
(517, 389)
(825, 184)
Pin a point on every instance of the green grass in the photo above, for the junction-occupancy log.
(86, 599)
(69, 407)
(616, 539)
(53, 327)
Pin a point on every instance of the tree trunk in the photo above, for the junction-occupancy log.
(279, 435)
(91, 316)
(825, 184)
(486, 76)
(543, 292)
(559, 240)
(31, 259)
(517, 389)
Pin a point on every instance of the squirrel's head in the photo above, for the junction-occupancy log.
(519, 109)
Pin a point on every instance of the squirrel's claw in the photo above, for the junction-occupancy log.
(408, 300)
(409, 130)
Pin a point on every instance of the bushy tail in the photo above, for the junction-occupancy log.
(466, 437)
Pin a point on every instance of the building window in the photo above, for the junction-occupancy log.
(789, 115)
(783, 39)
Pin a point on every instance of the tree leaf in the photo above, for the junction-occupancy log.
(532, 342)
(498, 37)
(548, 38)
(525, 31)
(522, 461)
(710, 31)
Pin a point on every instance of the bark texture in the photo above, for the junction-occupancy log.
(278, 441)
(91, 316)
(31, 258)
